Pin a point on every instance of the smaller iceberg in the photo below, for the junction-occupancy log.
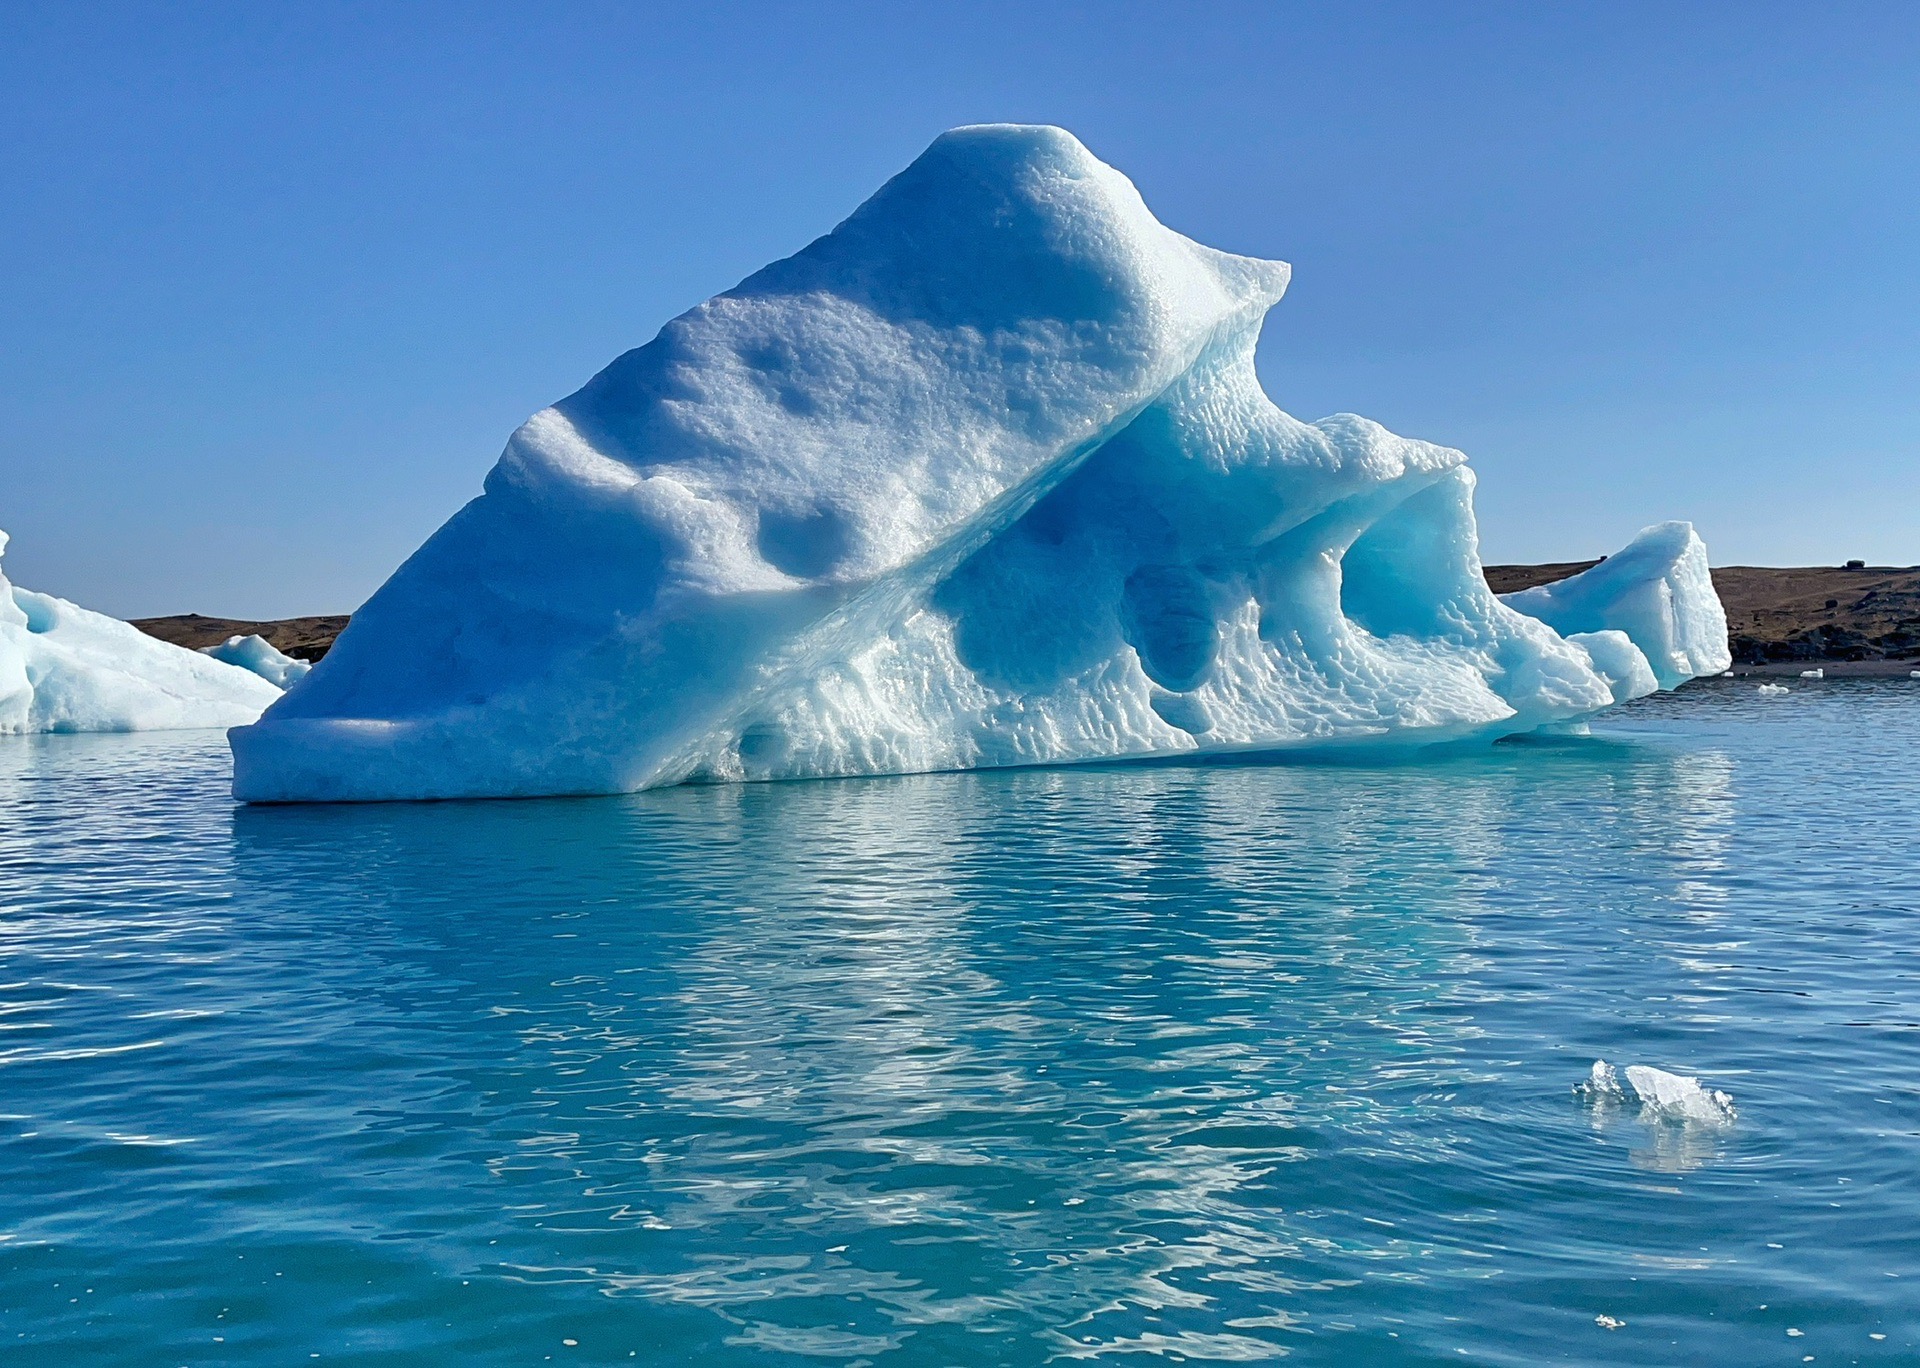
(1657, 590)
(64, 669)
(261, 656)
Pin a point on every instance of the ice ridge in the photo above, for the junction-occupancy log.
(982, 477)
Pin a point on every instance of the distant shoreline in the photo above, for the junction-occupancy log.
(1850, 622)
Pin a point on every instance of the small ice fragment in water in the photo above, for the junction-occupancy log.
(259, 655)
(1608, 1322)
(1774, 689)
(1813, 674)
(1602, 1083)
(1662, 1095)
(1678, 1096)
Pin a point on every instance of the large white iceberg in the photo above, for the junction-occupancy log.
(982, 477)
(65, 669)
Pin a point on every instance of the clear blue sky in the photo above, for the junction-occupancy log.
(276, 281)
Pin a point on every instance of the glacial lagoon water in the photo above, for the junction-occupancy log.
(1210, 1063)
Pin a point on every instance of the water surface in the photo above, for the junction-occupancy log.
(1216, 1063)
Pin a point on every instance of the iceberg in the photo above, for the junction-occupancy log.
(1657, 590)
(983, 477)
(65, 669)
(259, 655)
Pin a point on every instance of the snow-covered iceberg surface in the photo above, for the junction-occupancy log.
(64, 669)
(261, 656)
(982, 477)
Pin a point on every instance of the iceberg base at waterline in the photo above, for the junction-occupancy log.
(66, 669)
(983, 477)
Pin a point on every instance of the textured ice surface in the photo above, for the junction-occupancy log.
(64, 669)
(258, 654)
(982, 477)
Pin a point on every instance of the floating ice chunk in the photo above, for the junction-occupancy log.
(1813, 674)
(1768, 690)
(1601, 1084)
(1677, 1095)
(1658, 591)
(983, 477)
(64, 669)
(1683, 1124)
(258, 654)
(1661, 1094)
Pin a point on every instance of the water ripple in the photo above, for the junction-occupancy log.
(1222, 1063)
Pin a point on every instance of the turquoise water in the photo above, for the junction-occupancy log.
(1213, 1063)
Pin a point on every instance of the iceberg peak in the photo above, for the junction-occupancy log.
(982, 477)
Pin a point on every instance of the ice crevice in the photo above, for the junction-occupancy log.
(983, 477)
